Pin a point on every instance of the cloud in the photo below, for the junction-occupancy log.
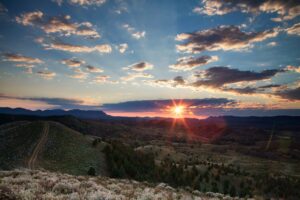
(103, 48)
(79, 74)
(48, 102)
(285, 9)
(221, 38)
(152, 105)
(101, 79)
(73, 62)
(272, 44)
(190, 62)
(139, 67)
(122, 47)
(93, 69)
(133, 76)
(60, 24)
(290, 94)
(46, 74)
(3, 9)
(217, 77)
(177, 81)
(135, 34)
(294, 30)
(293, 68)
(81, 2)
(20, 58)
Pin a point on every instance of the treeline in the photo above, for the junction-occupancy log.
(124, 162)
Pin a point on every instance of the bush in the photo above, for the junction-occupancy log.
(92, 171)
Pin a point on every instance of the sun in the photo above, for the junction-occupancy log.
(178, 110)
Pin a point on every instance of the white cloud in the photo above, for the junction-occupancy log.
(135, 34)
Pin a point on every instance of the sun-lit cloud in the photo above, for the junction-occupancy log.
(285, 9)
(83, 3)
(272, 44)
(60, 24)
(21, 59)
(133, 76)
(79, 74)
(122, 47)
(189, 62)
(135, 34)
(221, 38)
(139, 67)
(73, 62)
(294, 30)
(104, 79)
(102, 48)
(46, 74)
(293, 68)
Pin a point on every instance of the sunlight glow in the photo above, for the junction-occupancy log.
(178, 110)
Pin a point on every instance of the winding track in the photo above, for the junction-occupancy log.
(37, 149)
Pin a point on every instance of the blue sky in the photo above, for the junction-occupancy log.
(110, 51)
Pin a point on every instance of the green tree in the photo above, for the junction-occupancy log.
(91, 171)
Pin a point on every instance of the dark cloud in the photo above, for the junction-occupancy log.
(251, 90)
(221, 38)
(141, 66)
(290, 94)
(63, 103)
(286, 9)
(178, 80)
(93, 69)
(73, 62)
(152, 105)
(245, 90)
(46, 74)
(220, 76)
(190, 62)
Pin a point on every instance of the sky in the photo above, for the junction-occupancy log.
(143, 57)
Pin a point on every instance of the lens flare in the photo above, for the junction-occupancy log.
(178, 110)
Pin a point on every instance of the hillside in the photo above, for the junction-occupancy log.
(62, 150)
(48, 185)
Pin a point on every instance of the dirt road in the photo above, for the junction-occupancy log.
(39, 146)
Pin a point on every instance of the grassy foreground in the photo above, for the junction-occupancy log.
(34, 184)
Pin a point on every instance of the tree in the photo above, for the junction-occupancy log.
(225, 186)
(92, 171)
(232, 191)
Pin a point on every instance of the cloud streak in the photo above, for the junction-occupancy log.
(103, 48)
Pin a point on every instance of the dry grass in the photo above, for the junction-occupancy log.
(36, 184)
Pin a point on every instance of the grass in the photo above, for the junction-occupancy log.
(71, 152)
(17, 143)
